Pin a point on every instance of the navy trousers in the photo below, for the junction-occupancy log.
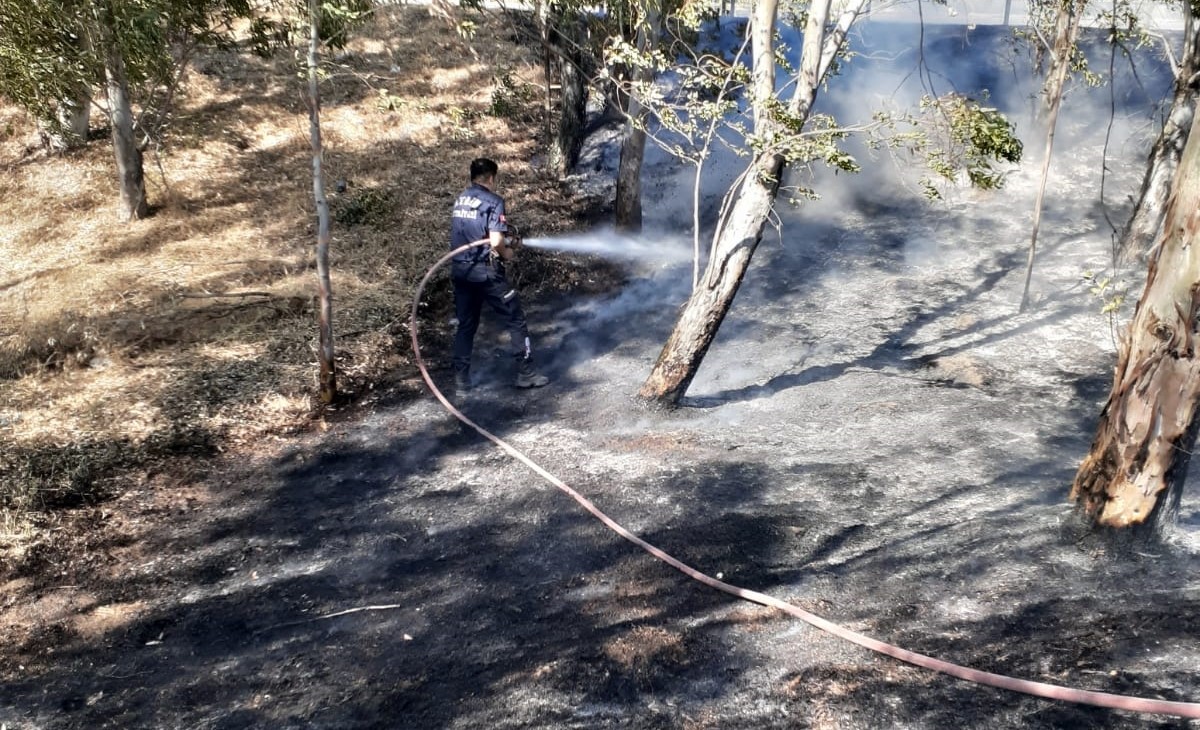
(469, 298)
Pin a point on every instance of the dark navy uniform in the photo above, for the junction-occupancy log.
(478, 275)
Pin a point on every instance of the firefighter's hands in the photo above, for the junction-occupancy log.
(515, 239)
(504, 250)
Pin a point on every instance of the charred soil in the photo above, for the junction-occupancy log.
(876, 435)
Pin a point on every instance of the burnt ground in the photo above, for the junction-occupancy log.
(877, 435)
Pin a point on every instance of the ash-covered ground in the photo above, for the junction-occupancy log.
(876, 435)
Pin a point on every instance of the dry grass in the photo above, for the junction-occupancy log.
(643, 645)
(193, 331)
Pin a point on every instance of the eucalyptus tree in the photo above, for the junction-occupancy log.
(1146, 220)
(54, 52)
(1065, 53)
(46, 66)
(785, 131)
(305, 27)
(328, 22)
(1134, 473)
(627, 207)
(745, 212)
(1135, 469)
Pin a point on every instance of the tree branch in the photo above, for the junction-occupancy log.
(301, 622)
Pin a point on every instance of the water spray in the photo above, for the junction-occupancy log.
(977, 676)
(613, 245)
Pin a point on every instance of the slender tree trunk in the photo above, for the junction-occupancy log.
(696, 180)
(628, 206)
(327, 384)
(70, 128)
(573, 85)
(75, 116)
(1147, 217)
(128, 155)
(1066, 33)
(543, 23)
(740, 230)
(1147, 429)
(740, 227)
(1051, 126)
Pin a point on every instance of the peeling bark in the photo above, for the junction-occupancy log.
(1147, 217)
(1147, 429)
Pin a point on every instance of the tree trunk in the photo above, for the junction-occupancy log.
(75, 115)
(1147, 429)
(543, 24)
(628, 206)
(1066, 33)
(739, 232)
(573, 85)
(70, 126)
(1146, 221)
(327, 384)
(125, 148)
(74, 111)
(1051, 125)
(705, 310)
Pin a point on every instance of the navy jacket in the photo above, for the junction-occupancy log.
(477, 212)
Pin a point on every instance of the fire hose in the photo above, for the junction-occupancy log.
(977, 676)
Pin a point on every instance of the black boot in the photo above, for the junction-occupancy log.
(526, 377)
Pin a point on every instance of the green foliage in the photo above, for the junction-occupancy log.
(338, 18)
(956, 133)
(804, 141)
(690, 14)
(510, 96)
(51, 49)
(386, 101)
(461, 120)
(335, 21)
(1110, 292)
(43, 54)
(1120, 17)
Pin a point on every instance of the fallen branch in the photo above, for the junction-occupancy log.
(314, 619)
(231, 294)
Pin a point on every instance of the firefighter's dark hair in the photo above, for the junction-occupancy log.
(483, 167)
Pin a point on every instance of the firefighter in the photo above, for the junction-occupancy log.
(478, 277)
